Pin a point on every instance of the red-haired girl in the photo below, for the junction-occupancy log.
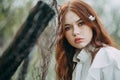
(84, 49)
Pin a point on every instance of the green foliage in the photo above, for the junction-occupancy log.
(11, 18)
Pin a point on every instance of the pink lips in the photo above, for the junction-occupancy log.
(78, 40)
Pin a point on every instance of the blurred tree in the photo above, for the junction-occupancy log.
(5, 19)
(10, 19)
(25, 39)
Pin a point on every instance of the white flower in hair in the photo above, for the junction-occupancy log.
(91, 18)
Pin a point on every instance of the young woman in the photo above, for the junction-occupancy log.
(84, 49)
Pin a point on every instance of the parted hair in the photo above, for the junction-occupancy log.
(64, 51)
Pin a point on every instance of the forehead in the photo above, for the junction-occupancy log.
(71, 17)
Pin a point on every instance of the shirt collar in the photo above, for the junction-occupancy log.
(83, 54)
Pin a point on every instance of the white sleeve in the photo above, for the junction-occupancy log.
(106, 65)
(94, 74)
(117, 74)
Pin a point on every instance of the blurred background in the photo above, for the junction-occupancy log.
(39, 65)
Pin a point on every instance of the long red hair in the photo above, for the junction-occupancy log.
(64, 51)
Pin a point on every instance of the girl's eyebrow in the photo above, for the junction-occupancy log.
(67, 24)
(78, 20)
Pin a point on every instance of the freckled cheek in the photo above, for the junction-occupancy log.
(69, 37)
(90, 35)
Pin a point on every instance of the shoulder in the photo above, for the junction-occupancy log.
(106, 56)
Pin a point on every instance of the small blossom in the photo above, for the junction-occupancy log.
(91, 18)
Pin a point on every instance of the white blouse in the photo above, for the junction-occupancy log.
(105, 66)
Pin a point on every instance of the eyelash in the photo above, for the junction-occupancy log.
(80, 23)
(67, 28)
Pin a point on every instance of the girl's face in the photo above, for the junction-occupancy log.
(77, 33)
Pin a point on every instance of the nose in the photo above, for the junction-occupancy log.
(76, 30)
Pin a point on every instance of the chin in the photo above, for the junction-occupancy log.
(81, 46)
